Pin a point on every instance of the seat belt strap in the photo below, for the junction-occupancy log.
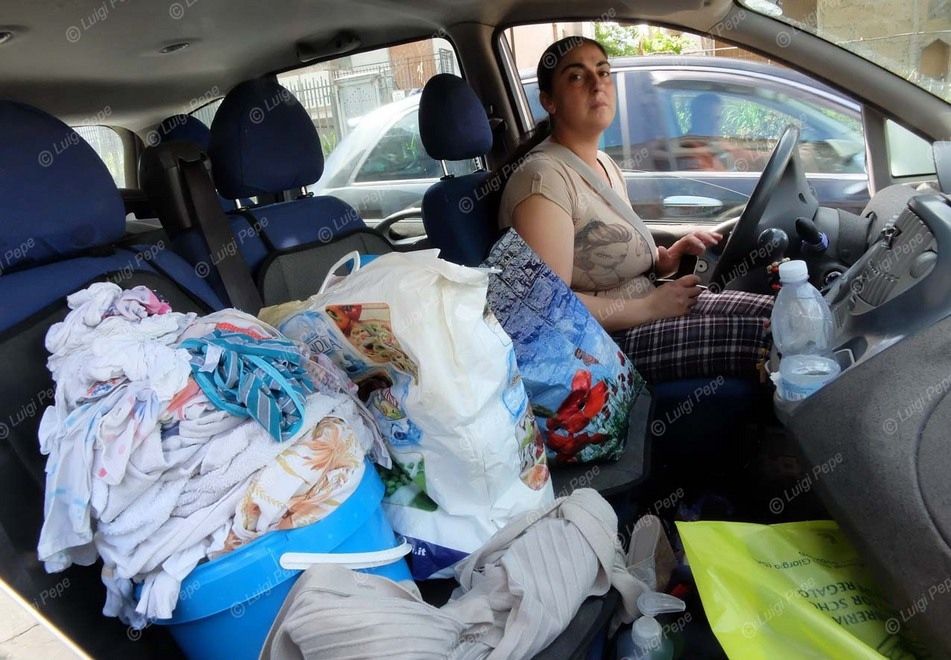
(222, 244)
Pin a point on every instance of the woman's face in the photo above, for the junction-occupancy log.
(582, 96)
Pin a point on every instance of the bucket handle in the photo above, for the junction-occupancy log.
(300, 561)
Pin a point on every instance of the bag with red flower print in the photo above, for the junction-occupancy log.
(580, 385)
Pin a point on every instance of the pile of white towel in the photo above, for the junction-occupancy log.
(144, 472)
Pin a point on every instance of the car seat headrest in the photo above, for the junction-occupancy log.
(263, 141)
(185, 128)
(58, 197)
(453, 124)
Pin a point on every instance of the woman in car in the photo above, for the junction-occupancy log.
(569, 202)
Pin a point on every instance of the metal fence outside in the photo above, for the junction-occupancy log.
(334, 97)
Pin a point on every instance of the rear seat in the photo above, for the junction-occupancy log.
(264, 143)
(61, 216)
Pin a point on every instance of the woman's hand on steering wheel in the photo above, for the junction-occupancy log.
(694, 243)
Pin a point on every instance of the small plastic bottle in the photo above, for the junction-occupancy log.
(803, 330)
(646, 639)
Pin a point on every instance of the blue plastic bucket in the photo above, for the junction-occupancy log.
(227, 605)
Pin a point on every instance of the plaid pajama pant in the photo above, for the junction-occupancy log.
(724, 334)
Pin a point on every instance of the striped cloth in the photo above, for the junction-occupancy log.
(259, 378)
(724, 334)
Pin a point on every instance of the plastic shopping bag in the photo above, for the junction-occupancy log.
(580, 383)
(439, 375)
(794, 590)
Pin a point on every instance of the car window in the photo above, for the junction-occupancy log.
(206, 113)
(353, 101)
(733, 127)
(908, 154)
(399, 154)
(107, 143)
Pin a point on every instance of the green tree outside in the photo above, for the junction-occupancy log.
(628, 40)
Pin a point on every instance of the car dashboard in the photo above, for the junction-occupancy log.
(900, 285)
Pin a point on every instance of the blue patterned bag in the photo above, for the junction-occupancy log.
(580, 385)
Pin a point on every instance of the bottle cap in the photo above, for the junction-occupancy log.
(653, 603)
(647, 633)
(793, 271)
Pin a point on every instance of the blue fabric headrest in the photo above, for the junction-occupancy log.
(452, 122)
(57, 198)
(181, 127)
(263, 141)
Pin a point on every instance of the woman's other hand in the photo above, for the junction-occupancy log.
(674, 298)
(694, 243)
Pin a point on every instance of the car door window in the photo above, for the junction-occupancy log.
(105, 142)
(724, 126)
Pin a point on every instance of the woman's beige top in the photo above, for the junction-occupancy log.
(611, 258)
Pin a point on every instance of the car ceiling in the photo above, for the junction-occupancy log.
(114, 68)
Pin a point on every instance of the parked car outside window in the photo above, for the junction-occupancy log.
(677, 169)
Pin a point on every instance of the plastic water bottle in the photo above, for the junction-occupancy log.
(646, 639)
(803, 330)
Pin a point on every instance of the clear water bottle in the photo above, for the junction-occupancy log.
(803, 330)
(647, 639)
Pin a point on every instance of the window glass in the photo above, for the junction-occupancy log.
(908, 154)
(399, 154)
(910, 39)
(107, 143)
(206, 113)
(734, 127)
(377, 166)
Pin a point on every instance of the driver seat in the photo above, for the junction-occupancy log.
(461, 219)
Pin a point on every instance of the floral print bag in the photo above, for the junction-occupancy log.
(580, 385)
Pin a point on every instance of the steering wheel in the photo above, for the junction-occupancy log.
(386, 223)
(778, 182)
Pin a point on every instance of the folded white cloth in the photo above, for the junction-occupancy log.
(518, 592)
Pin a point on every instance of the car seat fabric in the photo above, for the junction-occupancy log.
(446, 106)
(266, 143)
(186, 128)
(181, 127)
(263, 141)
(459, 213)
(48, 173)
(297, 273)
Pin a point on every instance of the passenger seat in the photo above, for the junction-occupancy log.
(263, 143)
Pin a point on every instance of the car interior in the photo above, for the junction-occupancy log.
(211, 197)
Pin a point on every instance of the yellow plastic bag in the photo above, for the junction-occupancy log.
(796, 590)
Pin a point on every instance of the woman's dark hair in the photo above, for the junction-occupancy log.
(554, 54)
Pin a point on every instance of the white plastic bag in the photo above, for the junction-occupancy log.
(439, 375)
